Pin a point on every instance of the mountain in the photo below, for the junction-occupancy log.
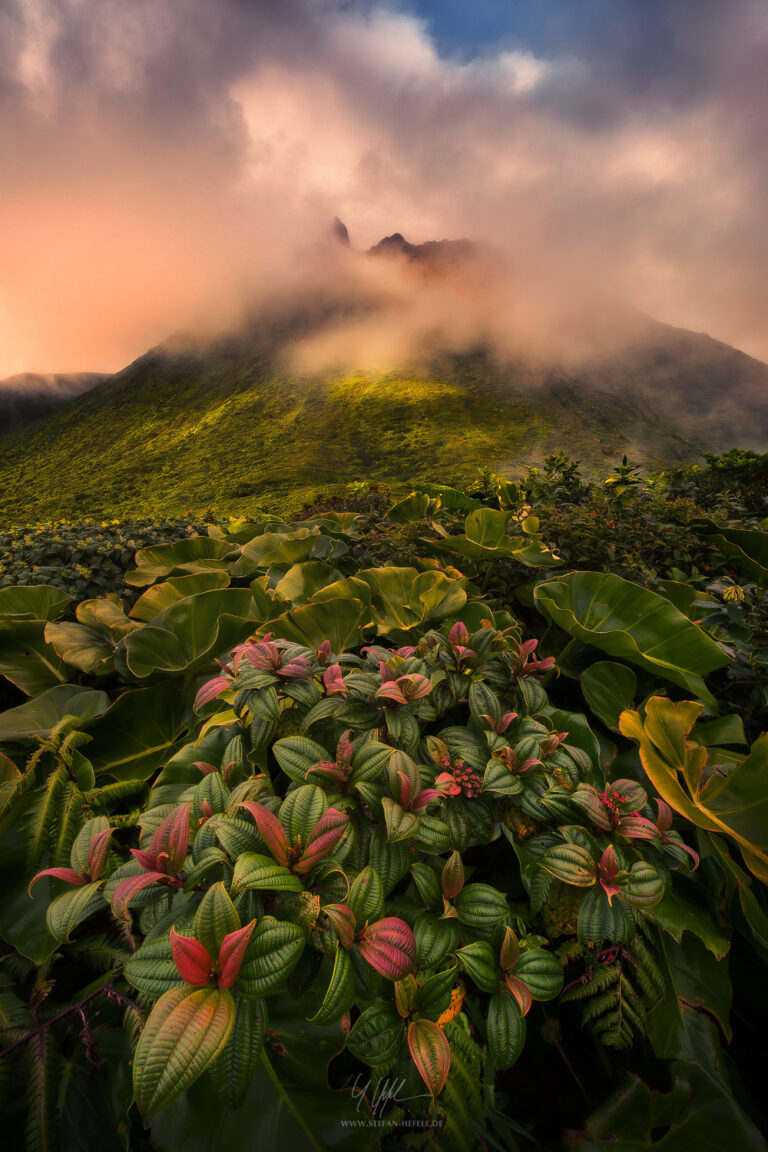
(235, 425)
(30, 395)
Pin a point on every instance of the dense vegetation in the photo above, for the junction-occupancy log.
(462, 843)
(229, 427)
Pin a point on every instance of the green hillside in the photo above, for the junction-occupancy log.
(175, 434)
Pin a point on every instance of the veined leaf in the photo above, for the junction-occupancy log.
(631, 622)
(186, 1031)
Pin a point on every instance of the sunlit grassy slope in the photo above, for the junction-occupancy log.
(225, 429)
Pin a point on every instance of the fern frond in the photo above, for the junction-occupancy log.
(43, 814)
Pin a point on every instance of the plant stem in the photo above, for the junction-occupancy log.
(108, 989)
(286, 1100)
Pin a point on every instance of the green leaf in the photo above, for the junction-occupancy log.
(156, 599)
(341, 989)
(297, 754)
(301, 810)
(480, 906)
(435, 938)
(138, 733)
(232, 1071)
(27, 660)
(197, 554)
(376, 1036)
(506, 1029)
(186, 1030)
(273, 952)
(252, 870)
(400, 825)
(33, 602)
(480, 963)
(366, 896)
(215, 918)
(187, 636)
(746, 547)
(633, 623)
(601, 920)
(151, 969)
(609, 689)
(569, 863)
(682, 910)
(541, 971)
(37, 717)
(71, 908)
(339, 621)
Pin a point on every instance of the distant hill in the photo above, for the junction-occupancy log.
(230, 426)
(30, 395)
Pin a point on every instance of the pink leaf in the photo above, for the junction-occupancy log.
(322, 840)
(664, 819)
(148, 860)
(430, 1052)
(67, 874)
(231, 954)
(172, 837)
(446, 784)
(391, 691)
(459, 634)
(270, 829)
(389, 946)
(425, 797)
(343, 919)
(206, 768)
(129, 887)
(192, 960)
(521, 993)
(210, 690)
(297, 669)
(334, 682)
(97, 852)
(510, 950)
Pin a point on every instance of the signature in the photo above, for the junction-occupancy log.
(385, 1093)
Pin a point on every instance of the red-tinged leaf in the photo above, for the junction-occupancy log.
(343, 919)
(148, 860)
(231, 954)
(608, 866)
(97, 852)
(505, 721)
(323, 652)
(447, 785)
(610, 889)
(386, 675)
(638, 828)
(271, 831)
(453, 876)
(510, 950)
(425, 797)
(323, 838)
(430, 1052)
(405, 994)
(172, 838)
(206, 768)
(297, 669)
(664, 819)
(333, 681)
(128, 888)
(405, 789)
(389, 946)
(211, 690)
(459, 634)
(328, 769)
(67, 874)
(391, 691)
(192, 959)
(415, 686)
(521, 993)
(187, 1029)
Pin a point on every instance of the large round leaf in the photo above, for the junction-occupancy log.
(186, 637)
(628, 621)
(37, 717)
(140, 731)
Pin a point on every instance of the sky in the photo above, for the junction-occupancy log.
(162, 162)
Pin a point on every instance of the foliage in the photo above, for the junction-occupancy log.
(303, 829)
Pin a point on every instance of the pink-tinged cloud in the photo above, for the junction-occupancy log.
(166, 165)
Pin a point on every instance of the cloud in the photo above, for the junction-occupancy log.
(166, 163)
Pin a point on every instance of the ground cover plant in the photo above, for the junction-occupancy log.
(428, 822)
